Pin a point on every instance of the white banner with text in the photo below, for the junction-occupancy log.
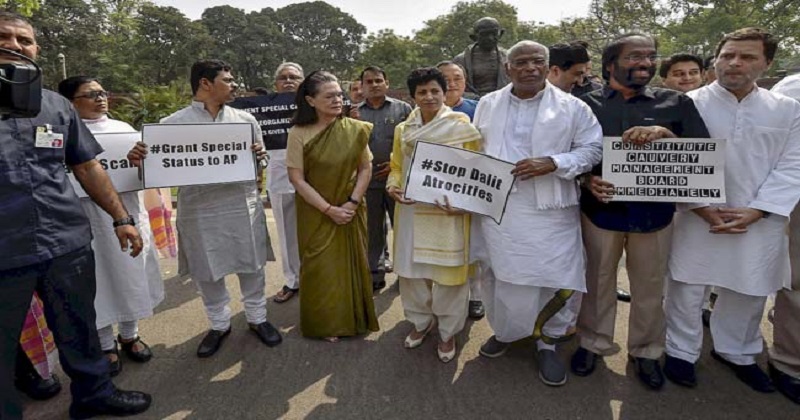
(673, 170)
(197, 154)
(472, 181)
(114, 160)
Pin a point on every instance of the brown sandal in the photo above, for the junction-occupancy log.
(285, 294)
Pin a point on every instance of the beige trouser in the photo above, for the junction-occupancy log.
(425, 300)
(785, 353)
(647, 255)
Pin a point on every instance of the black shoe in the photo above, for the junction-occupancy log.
(378, 285)
(493, 348)
(37, 388)
(141, 356)
(388, 267)
(583, 362)
(120, 404)
(267, 333)
(211, 342)
(752, 375)
(476, 310)
(787, 385)
(115, 367)
(623, 295)
(649, 372)
(680, 371)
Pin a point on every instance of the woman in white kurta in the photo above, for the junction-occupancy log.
(431, 242)
(128, 289)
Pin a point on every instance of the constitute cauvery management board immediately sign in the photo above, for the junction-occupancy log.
(197, 154)
(674, 170)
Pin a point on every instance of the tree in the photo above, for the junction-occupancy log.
(446, 36)
(251, 43)
(396, 55)
(320, 36)
(167, 44)
(23, 7)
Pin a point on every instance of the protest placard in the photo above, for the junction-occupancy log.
(120, 170)
(471, 181)
(668, 170)
(197, 154)
(274, 114)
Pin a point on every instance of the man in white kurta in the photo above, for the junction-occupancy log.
(741, 247)
(553, 137)
(784, 363)
(222, 228)
(281, 193)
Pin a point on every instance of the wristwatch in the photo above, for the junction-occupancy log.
(125, 221)
(351, 200)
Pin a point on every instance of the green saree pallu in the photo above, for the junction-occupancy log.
(336, 297)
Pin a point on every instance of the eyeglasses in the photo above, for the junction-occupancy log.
(638, 58)
(93, 95)
(288, 78)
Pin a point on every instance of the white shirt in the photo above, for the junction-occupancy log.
(519, 126)
(762, 171)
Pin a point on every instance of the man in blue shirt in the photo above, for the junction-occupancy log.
(626, 107)
(46, 241)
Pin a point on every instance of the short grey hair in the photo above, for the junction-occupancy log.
(286, 65)
(514, 50)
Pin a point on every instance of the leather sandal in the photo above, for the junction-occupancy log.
(285, 294)
(141, 356)
(114, 367)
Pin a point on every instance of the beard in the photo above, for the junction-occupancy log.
(624, 76)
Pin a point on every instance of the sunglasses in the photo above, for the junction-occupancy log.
(94, 95)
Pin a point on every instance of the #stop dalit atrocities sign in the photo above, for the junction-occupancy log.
(471, 181)
(197, 154)
(124, 176)
(672, 170)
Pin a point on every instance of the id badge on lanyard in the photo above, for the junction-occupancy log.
(46, 138)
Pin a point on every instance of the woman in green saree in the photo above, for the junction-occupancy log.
(329, 165)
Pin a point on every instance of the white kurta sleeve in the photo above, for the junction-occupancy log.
(587, 145)
(781, 191)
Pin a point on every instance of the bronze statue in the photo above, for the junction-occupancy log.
(484, 61)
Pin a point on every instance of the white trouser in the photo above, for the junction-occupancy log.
(127, 330)
(425, 300)
(474, 281)
(283, 208)
(216, 298)
(735, 323)
(512, 310)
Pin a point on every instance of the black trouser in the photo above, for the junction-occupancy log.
(67, 286)
(379, 202)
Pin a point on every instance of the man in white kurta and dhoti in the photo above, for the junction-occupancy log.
(553, 137)
(222, 228)
(128, 289)
(740, 247)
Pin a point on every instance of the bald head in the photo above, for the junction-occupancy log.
(526, 47)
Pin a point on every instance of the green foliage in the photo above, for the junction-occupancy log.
(320, 36)
(151, 104)
(23, 7)
(396, 55)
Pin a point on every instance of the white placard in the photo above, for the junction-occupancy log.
(471, 181)
(122, 173)
(667, 170)
(197, 154)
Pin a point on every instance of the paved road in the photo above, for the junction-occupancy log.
(374, 377)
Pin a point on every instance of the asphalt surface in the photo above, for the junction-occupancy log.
(374, 377)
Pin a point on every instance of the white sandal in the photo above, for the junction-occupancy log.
(450, 355)
(411, 343)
